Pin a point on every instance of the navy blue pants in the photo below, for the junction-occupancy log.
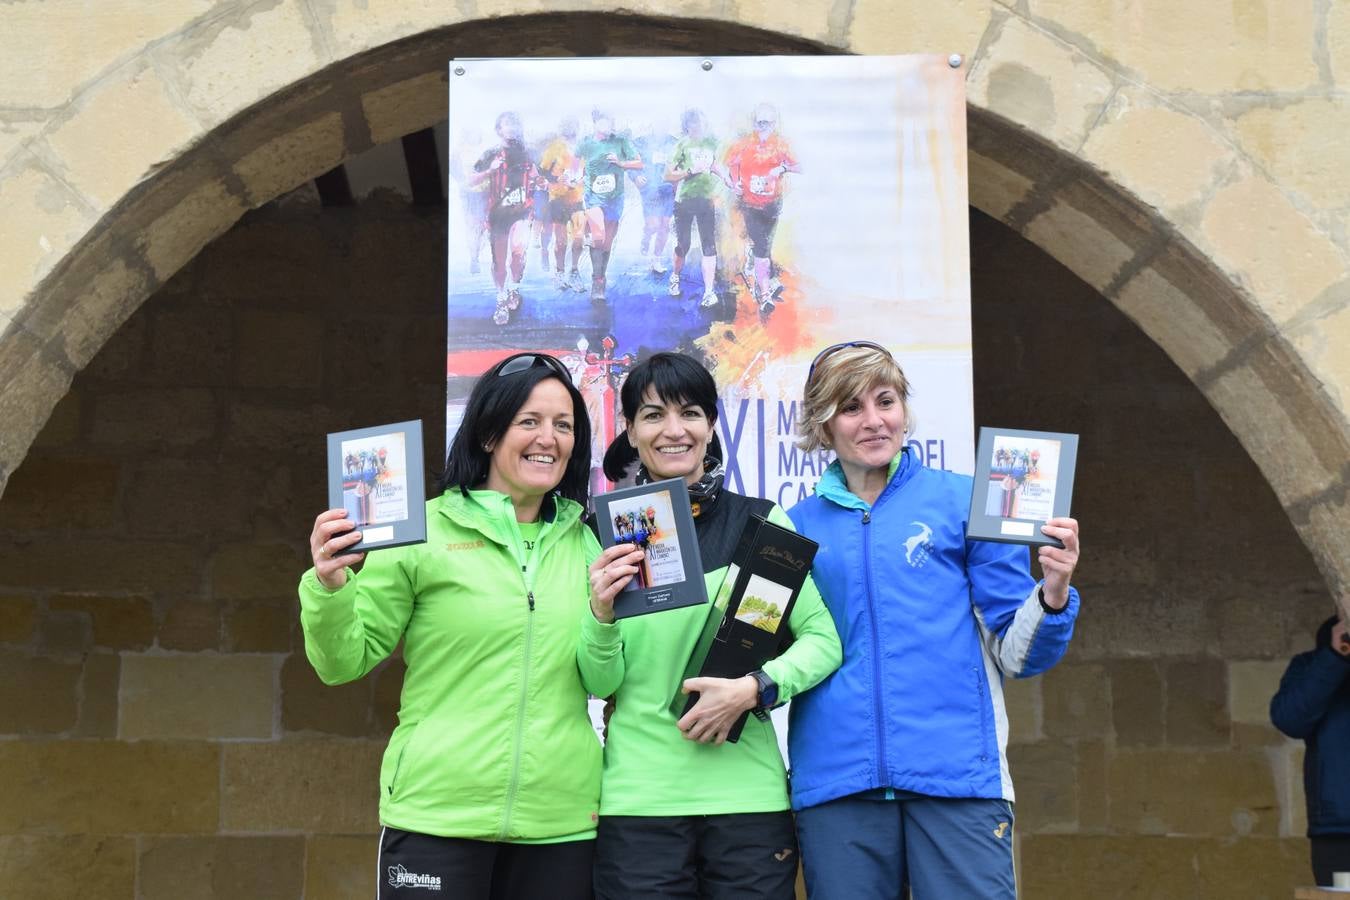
(871, 845)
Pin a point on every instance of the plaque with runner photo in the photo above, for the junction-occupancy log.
(657, 518)
(376, 474)
(1022, 479)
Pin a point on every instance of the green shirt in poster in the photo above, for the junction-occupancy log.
(696, 157)
(604, 179)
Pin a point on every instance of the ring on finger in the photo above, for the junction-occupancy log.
(323, 548)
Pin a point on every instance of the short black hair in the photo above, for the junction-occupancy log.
(673, 378)
(492, 405)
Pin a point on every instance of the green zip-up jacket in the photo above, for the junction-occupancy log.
(651, 769)
(493, 740)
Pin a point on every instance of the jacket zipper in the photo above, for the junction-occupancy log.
(519, 742)
(876, 646)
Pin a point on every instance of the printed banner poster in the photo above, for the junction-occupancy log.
(749, 211)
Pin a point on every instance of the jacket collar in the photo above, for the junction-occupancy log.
(834, 487)
(491, 514)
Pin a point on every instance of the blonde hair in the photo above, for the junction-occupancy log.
(839, 377)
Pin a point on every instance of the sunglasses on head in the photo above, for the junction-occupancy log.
(835, 348)
(520, 362)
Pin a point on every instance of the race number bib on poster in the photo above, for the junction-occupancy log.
(761, 185)
(602, 184)
(700, 161)
(514, 197)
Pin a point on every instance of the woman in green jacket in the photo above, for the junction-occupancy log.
(682, 813)
(490, 784)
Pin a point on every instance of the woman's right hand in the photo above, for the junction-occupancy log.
(333, 532)
(610, 573)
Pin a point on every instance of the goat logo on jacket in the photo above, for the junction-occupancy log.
(918, 546)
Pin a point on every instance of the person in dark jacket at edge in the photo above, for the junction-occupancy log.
(1313, 703)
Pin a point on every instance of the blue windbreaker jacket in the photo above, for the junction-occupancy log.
(930, 624)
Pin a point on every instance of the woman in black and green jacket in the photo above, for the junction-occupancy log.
(490, 785)
(682, 813)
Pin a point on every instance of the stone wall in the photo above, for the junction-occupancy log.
(1184, 157)
(162, 736)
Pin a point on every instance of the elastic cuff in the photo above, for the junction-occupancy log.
(1045, 607)
(311, 580)
(597, 633)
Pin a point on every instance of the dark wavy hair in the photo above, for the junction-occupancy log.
(493, 403)
(673, 378)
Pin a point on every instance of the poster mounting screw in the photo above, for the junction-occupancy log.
(707, 65)
(459, 70)
(954, 60)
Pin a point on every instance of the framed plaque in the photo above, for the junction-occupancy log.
(658, 519)
(376, 474)
(745, 624)
(1022, 479)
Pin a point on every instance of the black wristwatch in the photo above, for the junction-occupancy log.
(768, 689)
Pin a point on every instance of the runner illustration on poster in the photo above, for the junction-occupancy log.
(759, 164)
(604, 156)
(510, 175)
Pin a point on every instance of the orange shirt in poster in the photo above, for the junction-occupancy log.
(752, 163)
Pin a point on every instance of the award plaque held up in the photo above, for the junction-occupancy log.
(658, 519)
(376, 474)
(746, 625)
(1022, 479)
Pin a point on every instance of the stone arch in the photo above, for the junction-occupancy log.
(217, 109)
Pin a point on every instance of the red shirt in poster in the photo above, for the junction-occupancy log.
(753, 164)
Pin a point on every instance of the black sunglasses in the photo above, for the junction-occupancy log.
(834, 348)
(520, 362)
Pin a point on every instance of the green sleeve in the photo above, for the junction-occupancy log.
(815, 651)
(677, 157)
(600, 650)
(629, 151)
(350, 630)
(600, 656)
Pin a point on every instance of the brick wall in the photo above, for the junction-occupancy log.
(162, 736)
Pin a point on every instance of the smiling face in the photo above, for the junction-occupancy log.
(530, 458)
(671, 438)
(869, 429)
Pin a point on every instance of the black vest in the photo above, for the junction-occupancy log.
(719, 528)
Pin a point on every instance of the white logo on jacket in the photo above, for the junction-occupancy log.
(400, 877)
(919, 546)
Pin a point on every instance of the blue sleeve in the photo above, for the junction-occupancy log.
(1024, 638)
(1306, 690)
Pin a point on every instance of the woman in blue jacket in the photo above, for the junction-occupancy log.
(899, 764)
(1313, 703)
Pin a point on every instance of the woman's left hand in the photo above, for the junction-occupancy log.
(720, 703)
(1057, 564)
